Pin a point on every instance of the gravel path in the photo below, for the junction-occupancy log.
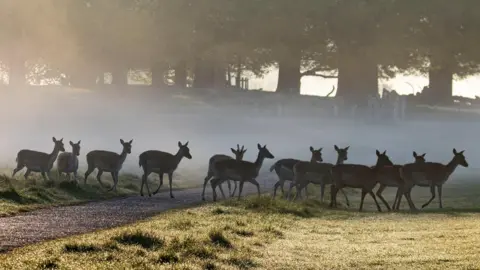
(52, 223)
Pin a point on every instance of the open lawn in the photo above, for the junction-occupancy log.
(18, 195)
(274, 234)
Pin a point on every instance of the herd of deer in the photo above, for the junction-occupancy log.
(223, 168)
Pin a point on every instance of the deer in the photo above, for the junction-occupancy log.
(389, 176)
(284, 169)
(431, 174)
(239, 153)
(38, 161)
(317, 173)
(242, 171)
(107, 161)
(358, 176)
(159, 162)
(67, 162)
(395, 180)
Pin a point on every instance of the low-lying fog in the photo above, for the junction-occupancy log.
(29, 120)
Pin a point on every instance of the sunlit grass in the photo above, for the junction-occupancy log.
(262, 233)
(18, 195)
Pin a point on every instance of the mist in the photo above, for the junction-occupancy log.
(158, 120)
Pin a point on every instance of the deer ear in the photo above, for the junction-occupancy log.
(244, 151)
(259, 146)
(454, 151)
(186, 144)
(462, 152)
(346, 148)
(424, 154)
(385, 152)
(121, 141)
(53, 139)
(61, 140)
(71, 143)
(336, 147)
(131, 141)
(415, 154)
(179, 144)
(320, 150)
(233, 150)
(378, 153)
(79, 142)
(311, 149)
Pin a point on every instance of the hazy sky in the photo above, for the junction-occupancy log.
(318, 86)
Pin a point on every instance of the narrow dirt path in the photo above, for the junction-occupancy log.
(52, 223)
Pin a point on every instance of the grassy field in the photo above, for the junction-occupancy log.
(274, 234)
(18, 195)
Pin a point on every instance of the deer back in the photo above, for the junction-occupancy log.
(424, 174)
(158, 161)
(67, 162)
(317, 173)
(33, 160)
(353, 175)
(105, 160)
(234, 169)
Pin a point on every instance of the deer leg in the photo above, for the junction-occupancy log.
(255, 182)
(229, 188)
(221, 189)
(242, 181)
(205, 181)
(145, 182)
(364, 192)
(213, 183)
(99, 175)
(398, 194)
(44, 175)
(17, 169)
(234, 188)
(75, 176)
(87, 173)
(375, 200)
(292, 184)
(333, 196)
(170, 178)
(114, 185)
(379, 194)
(409, 200)
(432, 190)
(322, 191)
(346, 198)
(439, 188)
(276, 186)
(160, 175)
(27, 173)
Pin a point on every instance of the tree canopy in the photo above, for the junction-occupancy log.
(207, 43)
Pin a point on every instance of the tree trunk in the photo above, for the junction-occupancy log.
(181, 74)
(357, 78)
(120, 77)
(441, 85)
(289, 74)
(239, 70)
(204, 76)
(17, 73)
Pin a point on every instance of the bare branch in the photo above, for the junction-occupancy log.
(313, 72)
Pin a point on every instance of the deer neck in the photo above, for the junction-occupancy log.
(123, 156)
(177, 158)
(451, 166)
(313, 160)
(53, 155)
(339, 160)
(258, 163)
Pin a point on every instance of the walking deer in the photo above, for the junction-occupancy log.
(153, 161)
(242, 171)
(215, 158)
(106, 161)
(389, 176)
(67, 162)
(38, 161)
(358, 176)
(431, 174)
(317, 173)
(284, 169)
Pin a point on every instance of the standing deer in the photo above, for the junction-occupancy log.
(357, 176)
(431, 174)
(153, 161)
(317, 173)
(38, 161)
(284, 169)
(242, 171)
(67, 162)
(215, 158)
(390, 177)
(106, 161)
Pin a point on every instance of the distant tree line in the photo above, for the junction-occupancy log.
(211, 43)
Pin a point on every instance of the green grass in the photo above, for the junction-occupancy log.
(18, 195)
(262, 233)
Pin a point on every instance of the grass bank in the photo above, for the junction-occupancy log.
(263, 233)
(18, 195)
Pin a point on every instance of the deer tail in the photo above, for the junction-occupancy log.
(273, 166)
